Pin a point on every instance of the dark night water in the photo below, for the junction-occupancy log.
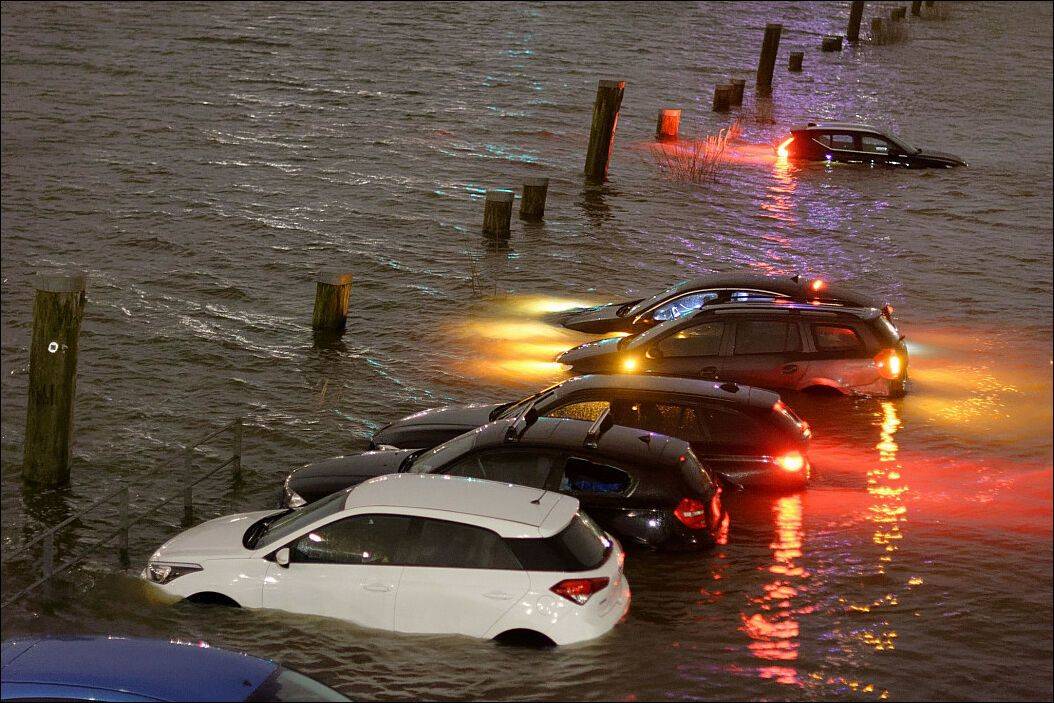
(202, 161)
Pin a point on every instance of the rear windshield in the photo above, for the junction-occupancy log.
(582, 546)
(697, 477)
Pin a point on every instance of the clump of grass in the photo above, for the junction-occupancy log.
(696, 160)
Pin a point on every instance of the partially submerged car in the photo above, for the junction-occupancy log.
(850, 142)
(688, 296)
(779, 345)
(645, 488)
(745, 435)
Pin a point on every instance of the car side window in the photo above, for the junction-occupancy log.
(522, 467)
(362, 539)
(843, 141)
(681, 306)
(875, 145)
(454, 545)
(588, 410)
(836, 338)
(701, 340)
(715, 424)
(582, 476)
(766, 337)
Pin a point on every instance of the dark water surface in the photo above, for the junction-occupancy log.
(202, 161)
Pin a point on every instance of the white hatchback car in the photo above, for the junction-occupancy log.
(413, 553)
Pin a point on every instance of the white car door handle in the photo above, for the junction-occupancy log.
(377, 587)
(498, 595)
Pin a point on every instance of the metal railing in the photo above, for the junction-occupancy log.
(125, 520)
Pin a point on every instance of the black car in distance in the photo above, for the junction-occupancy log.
(687, 296)
(775, 344)
(646, 489)
(746, 436)
(859, 144)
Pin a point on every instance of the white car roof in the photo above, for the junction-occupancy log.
(511, 511)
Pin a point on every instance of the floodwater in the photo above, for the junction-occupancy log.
(202, 161)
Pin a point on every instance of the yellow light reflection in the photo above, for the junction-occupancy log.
(544, 305)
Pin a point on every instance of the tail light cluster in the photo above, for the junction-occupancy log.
(579, 591)
(889, 364)
(791, 462)
(692, 513)
(782, 151)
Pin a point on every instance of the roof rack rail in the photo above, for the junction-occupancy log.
(598, 428)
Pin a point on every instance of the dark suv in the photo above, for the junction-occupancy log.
(859, 143)
(745, 435)
(645, 488)
(798, 346)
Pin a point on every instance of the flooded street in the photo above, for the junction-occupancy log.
(201, 162)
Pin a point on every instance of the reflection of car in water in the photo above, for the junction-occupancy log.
(797, 346)
(111, 668)
(859, 143)
(646, 489)
(413, 553)
(744, 435)
(686, 296)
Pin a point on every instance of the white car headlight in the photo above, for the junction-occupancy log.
(162, 573)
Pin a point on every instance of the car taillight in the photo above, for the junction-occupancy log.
(781, 150)
(887, 311)
(791, 462)
(817, 285)
(889, 364)
(578, 591)
(692, 513)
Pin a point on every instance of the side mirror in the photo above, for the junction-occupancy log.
(281, 557)
(653, 352)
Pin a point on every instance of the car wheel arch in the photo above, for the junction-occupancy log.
(524, 636)
(212, 598)
(823, 385)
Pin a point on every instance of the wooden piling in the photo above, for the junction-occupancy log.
(497, 212)
(898, 13)
(532, 204)
(58, 308)
(668, 125)
(722, 97)
(916, 8)
(831, 42)
(332, 293)
(795, 61)
(767, 61)
(738, 86)
(602, 132)
(878, 30)
(856, 13)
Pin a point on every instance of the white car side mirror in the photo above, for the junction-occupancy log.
(281, 557)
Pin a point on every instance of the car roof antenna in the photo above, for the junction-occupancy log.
(538, 500)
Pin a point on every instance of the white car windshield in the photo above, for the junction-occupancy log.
(647, 303)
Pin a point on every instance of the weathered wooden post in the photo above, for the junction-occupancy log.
(831, 42)
(236, 441)
(497, 212)
(602, 132)
(122, 543)
(738, 86)
(667, 126)
(898, 13)
(796, 58)
(916, 8)
(332, 294)
(856, 13)
(532, 202)
(722, 97)
(767, 62)
(878, 30)
(188, 487)
(58, 308)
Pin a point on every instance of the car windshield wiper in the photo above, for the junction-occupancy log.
(408, 462)
(496, 412)
(253, 534)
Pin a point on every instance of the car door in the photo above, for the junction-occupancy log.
(693, 351)
(766, 351)
(520, 466)
(843, 147)
(879, 150)
(838, 356)
(458, 578)
(347, 569)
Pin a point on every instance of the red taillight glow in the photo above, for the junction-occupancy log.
(889, 364)
(818, 285)
(692, 513)
(578, 591)
(792, 462)
(781, 150)
(887, 310)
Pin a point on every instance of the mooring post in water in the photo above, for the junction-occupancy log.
(532, 202)
(738, 85)
(916, 8)
(832, 42)
(332, 295)
(58, 308)
(668, 125)
(188, 487)
(856, 13)
(602, 131)
(497, 212)
(878, 30)
(125, 522)
(795, 61)
(767, 62)
(898, 13)
(722, 97)
(236, 441)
